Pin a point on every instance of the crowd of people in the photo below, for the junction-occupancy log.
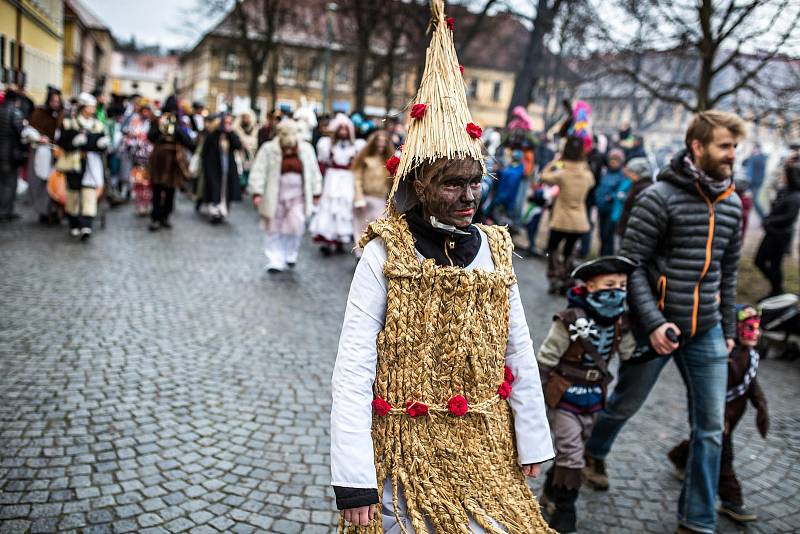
(435, 358)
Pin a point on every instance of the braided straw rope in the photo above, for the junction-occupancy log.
(441, 132)
(445, 334)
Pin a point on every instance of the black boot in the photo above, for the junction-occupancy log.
(548, 500)
(563, 519)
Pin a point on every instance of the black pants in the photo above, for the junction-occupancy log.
(568, 238)
(769, 259)
(8, 188)
(163, 202)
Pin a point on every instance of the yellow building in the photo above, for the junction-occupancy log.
(31, 35)
(88, 47)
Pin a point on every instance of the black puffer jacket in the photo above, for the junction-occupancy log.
(688, 244)
(12, 151)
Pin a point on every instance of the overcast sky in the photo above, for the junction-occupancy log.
(170, 23)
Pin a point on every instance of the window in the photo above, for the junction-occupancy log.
(135, 85)
(287, 68)
(341, 73)
(472, 88)
(497, 91)
(316, 69)
(230, 62)
(159, 88)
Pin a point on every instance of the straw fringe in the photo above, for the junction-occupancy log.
(445, 334)
(441, 132)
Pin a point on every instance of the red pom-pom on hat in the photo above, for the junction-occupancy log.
(416, 408)
(381, 407)
(451, 23)
(418, 111)
(392, 164)
(504, 390)
(461, 68)
(474, 130)
(457, 405)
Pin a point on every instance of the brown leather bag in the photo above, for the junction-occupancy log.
(554, 388)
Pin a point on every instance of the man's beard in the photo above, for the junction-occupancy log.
(714, 168)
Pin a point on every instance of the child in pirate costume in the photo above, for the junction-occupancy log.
(742, 386)
(438, 414)
(574, 366)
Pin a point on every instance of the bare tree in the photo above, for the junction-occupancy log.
(253, 27)
(703, 54)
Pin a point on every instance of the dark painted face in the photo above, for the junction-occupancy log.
(452, 199)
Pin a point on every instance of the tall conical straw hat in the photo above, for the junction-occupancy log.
(441, 125)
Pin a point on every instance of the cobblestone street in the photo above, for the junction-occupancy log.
(162, 383)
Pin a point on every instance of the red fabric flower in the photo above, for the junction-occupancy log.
(392, 165)
(418, 111)
(416, 408)
(474, 130)
(509, 376)
(451, 23)
(504, 390)
(457, 405)
(461, 68)
(381, 407)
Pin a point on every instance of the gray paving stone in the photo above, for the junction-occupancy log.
(162, 404)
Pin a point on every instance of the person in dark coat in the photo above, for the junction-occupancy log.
(220, 169)
(685, 233)
(169, 166)
(779, 226)
(12, 153)
(46, 120)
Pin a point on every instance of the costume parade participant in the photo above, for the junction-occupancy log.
(574, 366)
(46, 120)
(168, 162)
(333, 224)
(284, 182)
(137, 151)
(84, 140)
(372, 182)
(438, 414)
(221, 184)
(742, 387)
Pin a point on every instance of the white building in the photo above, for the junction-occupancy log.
(151, 76)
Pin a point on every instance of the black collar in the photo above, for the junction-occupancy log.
(444, 247)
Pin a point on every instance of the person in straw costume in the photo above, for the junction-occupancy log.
(438, 414)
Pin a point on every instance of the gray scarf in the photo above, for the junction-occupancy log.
(715, 187)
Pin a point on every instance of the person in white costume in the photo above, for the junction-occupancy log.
(332, 226)
(285, 182)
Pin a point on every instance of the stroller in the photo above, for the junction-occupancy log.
(780, 325)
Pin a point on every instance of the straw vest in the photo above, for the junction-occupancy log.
(445, 335)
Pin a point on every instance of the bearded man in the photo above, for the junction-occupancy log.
(685, 233)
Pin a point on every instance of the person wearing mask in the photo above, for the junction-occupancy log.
(12, 153)
(168, 162)
(755, 167)
(372, 182)
(568, 218)
(137, 149)
(220, 171)
(285, 182)
(779, 226)
(639, 171)
(46, 120)
(685, 234)
(332, 226)
(609, 196)
(83, 139)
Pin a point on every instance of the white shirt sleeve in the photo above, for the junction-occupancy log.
(534, 444)
(352, 456)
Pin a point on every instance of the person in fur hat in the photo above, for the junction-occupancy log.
(285, 183)
(332, 226)
(573, 361)
(83, 138)
(438, 415)
(743, 387)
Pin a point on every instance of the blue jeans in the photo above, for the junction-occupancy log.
(703, 365)
(607, 227)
